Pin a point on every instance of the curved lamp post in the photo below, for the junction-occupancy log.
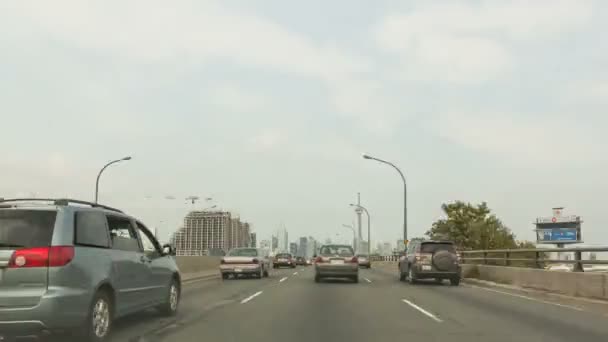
(101, 171)
(367, 156)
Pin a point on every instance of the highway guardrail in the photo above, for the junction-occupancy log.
(535, 258)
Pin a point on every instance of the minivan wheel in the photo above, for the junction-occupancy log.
(99, 320)
(455, 281)
(172, 301)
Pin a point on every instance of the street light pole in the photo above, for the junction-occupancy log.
(369, 220)
(354, 236)
(366, 156)
(101, 171)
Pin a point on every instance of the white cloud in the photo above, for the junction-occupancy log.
(468, 43)
(593, 92)
(269, 139)
(529, 140)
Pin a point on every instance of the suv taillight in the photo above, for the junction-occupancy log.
(55, 256)
(424, 258)
(319, 260)
(354, 260)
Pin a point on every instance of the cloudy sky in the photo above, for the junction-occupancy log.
(266, 106)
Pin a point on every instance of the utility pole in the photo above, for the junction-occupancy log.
(359, 212)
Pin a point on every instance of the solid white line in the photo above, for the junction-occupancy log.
(528, 298)
(251, 297)
(282, 279)
(435, 318)
(295, 273)
(369, 281)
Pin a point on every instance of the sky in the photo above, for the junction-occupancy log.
(266, 106)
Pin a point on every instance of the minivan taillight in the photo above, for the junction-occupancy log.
(354, 260)
(319, 260)
(55, 256)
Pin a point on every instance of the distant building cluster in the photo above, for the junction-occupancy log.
(211, 233)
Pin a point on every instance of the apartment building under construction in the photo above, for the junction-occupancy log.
(210, 233)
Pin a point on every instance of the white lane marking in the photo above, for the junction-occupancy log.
(528, 298)
(435, 318)
(295, 273)
(367, 280)
(251, 297)
(282, 279)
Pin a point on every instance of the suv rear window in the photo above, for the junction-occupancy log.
(283, 255)
(26, 228)
(435, 247)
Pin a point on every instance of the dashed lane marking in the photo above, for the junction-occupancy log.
(426, 313)
(251, 297)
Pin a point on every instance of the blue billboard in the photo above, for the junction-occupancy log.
(557, 235)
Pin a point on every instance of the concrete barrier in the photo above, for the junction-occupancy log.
(195, 264)
(589, 285)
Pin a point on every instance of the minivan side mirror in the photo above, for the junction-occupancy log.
(168, 249)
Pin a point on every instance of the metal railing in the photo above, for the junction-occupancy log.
(536, 258)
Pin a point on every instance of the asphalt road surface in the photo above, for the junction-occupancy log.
(290, 306)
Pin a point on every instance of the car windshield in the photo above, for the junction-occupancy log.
(244, 252)
(343, 251)
(436, 247)
(26, 228)
(362, 255)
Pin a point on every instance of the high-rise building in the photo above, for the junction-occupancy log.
(265, 244)
(303, 248)
(312, 247)
(254, 240)
(210, 233)
(275, 243)
(293, 248)
(283, 240)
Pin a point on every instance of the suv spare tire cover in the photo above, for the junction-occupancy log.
(443, 260)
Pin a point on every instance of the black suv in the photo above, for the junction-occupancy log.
(430, 259)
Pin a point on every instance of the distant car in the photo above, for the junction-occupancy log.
(284, 260)
(429, 259)
(245, 262)
(309, 262)
(364, 260)
(72, 265)
(300, 261)
(336, 261)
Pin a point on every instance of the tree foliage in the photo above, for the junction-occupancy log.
(473, 227)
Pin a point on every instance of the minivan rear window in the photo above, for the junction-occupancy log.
(26, 228)
(436, 247)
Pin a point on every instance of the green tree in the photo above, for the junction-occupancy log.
(472, 227)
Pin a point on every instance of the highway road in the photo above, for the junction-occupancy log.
(290, 306)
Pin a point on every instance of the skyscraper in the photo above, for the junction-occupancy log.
(293, 248)
(283, 240)
(254, 240)
(275, 244)
(303, 247)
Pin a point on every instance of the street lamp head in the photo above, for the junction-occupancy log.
(126, 158)
(366, 156)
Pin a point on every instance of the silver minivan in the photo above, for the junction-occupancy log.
(74, 267)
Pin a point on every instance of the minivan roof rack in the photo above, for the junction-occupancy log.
(59, 201)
